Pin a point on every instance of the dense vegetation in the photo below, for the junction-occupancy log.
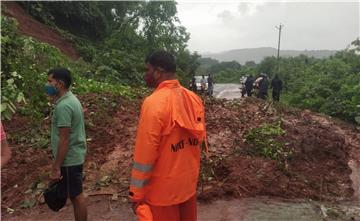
(113, 39)
(24, 66)
(330, 85)
(116, 36)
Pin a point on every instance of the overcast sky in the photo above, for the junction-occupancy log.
(216, 26)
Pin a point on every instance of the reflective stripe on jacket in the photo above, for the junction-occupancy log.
(168, 145)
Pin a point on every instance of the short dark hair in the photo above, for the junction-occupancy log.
(61, 74)
(162, 59)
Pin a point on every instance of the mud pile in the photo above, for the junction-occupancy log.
(318, 168)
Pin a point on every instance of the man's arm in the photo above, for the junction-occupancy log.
(146, 151)
(61, 152)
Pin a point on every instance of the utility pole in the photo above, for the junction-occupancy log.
(278, 52)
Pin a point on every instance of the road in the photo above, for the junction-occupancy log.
(228, 91)
(102, 208)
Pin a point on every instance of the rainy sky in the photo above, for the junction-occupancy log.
(216, 26)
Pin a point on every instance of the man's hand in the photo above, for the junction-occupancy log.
(135, 206)
(55, 174)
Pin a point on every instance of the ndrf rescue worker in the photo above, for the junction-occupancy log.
(168, 144)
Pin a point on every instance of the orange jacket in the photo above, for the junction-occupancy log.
(168, 145)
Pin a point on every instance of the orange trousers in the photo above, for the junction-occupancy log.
(185, 211)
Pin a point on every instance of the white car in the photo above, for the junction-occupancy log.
(198, 83)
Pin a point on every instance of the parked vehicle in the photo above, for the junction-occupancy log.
(201, 86)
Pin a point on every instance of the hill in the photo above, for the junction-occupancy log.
(28, 26)
(258, 54)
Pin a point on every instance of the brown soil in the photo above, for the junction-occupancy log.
(318, 169)
(110, 126)
(29, 26)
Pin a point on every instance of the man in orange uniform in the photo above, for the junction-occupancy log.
(170, 133)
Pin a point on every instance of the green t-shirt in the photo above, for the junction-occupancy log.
(68, 112)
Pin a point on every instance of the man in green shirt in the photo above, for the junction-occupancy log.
(68, 140)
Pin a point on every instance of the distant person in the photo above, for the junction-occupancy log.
(168, 144)
(203, 84)
(68, 140)
(242, 86)
(263, 85)
(5, 149)
(257, 81)
(276, 85)
(256, 85)
(210, 85)
(193, 83)
(249, 85)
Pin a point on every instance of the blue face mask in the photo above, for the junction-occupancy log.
(51, 90)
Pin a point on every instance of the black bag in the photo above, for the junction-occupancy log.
(54, 197)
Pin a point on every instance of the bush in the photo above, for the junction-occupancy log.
(264, 141)
(24, 65)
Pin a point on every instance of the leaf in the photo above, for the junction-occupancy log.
(20, 97)
(115, 197)
(105, 179)
(3, 107)
(41, 186)
(10, 81)
(11, 107)
(28, 203)
(28, 191)
(357, 119)
(10, 210)
(14, 74)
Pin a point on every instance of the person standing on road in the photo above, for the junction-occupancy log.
(249, 85)
(276, 85)
(242, 86)
(169, 137)
(203, 84)
(210, 85)
(263, 87)
(193, 83)
(68, 140)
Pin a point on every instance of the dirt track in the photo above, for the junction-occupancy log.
(102, 208)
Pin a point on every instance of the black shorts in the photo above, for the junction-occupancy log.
(71, 183)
